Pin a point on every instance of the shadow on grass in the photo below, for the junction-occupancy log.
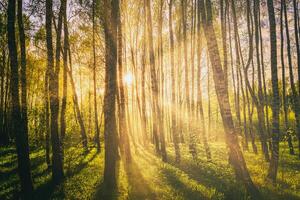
(139, 189)
(105, 191)
(206, 174)
(82, 164)
(219, 176)
(269, 193)
(182, 188)
(9, 179)
(48, 190)
(7, 150)
(45, 190)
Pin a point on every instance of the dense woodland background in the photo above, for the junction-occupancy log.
(149, 99)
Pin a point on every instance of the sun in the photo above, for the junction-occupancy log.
(128, 78)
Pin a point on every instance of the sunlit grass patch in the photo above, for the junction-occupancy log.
(147, 177)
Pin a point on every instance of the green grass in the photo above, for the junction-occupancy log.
(149, 178)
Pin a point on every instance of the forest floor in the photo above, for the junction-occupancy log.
(149, 178)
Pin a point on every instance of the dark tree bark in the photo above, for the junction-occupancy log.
(275, 100)
(65, 77)
(21, 134)
(4, 137)
(6, 112)
(110, 126)
(235, 154)
(3, 140)
(57, 164)
(23, 68)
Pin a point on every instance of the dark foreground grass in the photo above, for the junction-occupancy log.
(149, 178)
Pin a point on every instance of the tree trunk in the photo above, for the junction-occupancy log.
(110, 126)
(124, 139)
(235, 155)
(4, 138)
(57, 164)
(23, 68)
(21, 134)
(65, 78)
(275, 100)
(97, 135)
(284, 98)
(174, 129)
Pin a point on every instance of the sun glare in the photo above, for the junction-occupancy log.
(128, 78)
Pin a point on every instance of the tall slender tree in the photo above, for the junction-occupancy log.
(18, 125)
(283, 77)
(275, 100)
(65, 77)
(246, 67)
(110, 125)
(173, 129)
(97, 135)
(23, 67)
(124, 139)
(57, 164)
(235, 154)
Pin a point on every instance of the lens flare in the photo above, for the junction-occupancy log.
(128, 78)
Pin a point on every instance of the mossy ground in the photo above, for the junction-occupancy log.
(149, 178)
